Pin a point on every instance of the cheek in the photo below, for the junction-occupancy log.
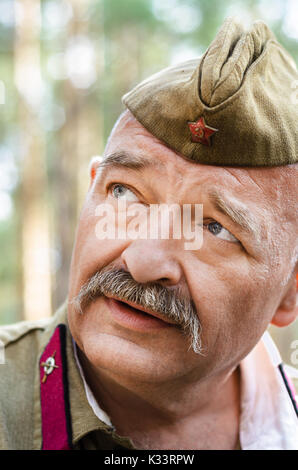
(234, 309)
(91, 253)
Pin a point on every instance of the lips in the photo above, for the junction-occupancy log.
(135, 316)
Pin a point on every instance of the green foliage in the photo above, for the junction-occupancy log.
(129, 13)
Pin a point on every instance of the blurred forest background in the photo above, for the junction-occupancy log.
(64, 65)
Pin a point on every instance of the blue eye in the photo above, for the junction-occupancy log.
(119, 191)
(220, 232)
(215, 228)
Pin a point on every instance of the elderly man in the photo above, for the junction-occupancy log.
(160, 346)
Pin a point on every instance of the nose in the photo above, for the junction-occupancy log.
(152, 261)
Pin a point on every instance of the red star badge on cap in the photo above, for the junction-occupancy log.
(200, 132)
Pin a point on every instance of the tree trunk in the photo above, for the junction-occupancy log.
(35, 240)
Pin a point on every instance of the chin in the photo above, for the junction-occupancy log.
(124, 359)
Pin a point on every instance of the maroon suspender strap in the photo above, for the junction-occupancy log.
(54, 394)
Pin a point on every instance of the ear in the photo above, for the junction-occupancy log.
(287, 311)
(93, 167)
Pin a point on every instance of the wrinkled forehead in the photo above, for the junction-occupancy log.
(277, 184)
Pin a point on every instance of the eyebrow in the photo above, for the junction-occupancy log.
(237, 212)
(123, 159)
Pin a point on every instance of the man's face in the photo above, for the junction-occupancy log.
(236, 280)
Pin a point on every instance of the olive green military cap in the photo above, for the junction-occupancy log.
(234, 106)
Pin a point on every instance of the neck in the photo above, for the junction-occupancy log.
(199, 413)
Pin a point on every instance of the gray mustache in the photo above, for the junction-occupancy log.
(166, 302)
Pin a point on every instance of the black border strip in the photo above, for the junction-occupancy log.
(62, 332)
(281, 369)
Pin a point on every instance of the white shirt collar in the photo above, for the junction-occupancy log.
(268, 420)
(102, 415)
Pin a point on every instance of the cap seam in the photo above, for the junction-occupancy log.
(219, 52)
(235, 63)
(238, 93)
